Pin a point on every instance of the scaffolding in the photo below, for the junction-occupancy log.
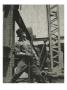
(54, 34)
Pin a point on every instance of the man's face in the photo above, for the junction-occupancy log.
(23, 35)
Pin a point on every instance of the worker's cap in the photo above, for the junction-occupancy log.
(20, 32)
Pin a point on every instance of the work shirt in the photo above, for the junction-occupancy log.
(26, 48)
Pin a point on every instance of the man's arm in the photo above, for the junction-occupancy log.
(20, 51)
(17, 50)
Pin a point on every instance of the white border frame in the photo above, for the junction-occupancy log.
(6, 86)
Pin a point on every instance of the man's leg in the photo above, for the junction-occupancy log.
(21, 67)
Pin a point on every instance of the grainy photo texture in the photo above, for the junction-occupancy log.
(33, 43)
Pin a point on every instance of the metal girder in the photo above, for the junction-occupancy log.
(54, 34)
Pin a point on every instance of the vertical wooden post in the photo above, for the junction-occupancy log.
(8, 40)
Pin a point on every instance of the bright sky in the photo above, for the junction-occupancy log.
(35, 16)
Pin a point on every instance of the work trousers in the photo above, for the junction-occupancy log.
(22, 66)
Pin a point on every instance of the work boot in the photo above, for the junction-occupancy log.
(16, 76)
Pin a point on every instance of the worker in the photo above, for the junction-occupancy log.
(25, 52)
